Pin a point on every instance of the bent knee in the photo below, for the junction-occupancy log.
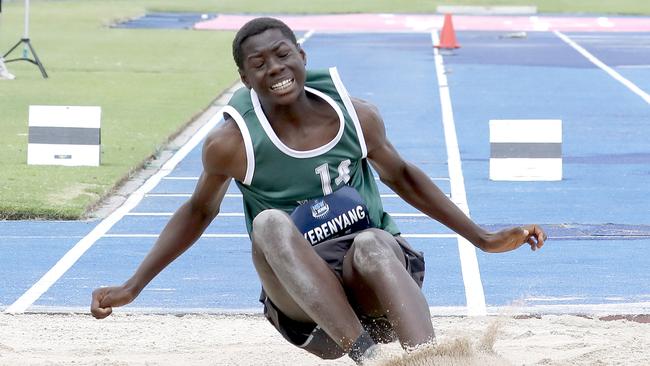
(271, 223)
(272, 232)
(270, 218)
(373, 251)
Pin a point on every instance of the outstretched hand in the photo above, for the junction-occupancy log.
(510, 239)
(105, 298)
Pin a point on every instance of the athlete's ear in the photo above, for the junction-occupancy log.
(244, 79)
(303, 54)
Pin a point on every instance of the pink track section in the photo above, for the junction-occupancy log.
(426, 23)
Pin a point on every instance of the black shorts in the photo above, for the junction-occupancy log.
(310, 336)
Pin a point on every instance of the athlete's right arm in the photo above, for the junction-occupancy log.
(223, 157)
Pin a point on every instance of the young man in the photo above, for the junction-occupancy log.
(336, 275)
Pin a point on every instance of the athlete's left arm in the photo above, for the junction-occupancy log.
(416, 188)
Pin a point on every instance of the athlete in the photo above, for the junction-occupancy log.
(337, 277)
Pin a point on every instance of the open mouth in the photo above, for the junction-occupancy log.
(281, 85)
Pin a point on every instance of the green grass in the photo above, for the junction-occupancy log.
(149, 83)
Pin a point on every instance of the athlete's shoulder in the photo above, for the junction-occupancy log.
(241, 100)
(241, 93)
(320, 79)
(372, 124)
(367, 112)
(223, 150)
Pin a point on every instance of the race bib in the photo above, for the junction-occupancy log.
(340, 213)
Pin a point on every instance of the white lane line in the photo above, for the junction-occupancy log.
(407, 214)
(221, 214)
(197, 178)
(238, 195)
(595, 310)
(393, 195)
(241, 214)
(306, 37)
(432, 178)
(474, 294)
(568, 237)
(71, 257)
(156, 235)
(618, 77)
(414, 236)
(39, 237)
(428, 236)
(633, 66)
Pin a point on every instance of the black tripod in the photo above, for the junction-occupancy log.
(28, 45)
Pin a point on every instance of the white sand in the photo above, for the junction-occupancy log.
(74, 339)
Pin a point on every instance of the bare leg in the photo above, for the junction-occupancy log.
(298, 281)
(376, 279)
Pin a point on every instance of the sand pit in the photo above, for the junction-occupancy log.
(139, 339)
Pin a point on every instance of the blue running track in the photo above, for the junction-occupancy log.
(598, 216)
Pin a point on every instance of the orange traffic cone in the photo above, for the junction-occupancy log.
(448, 36)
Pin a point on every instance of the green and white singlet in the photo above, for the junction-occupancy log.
(282, 178)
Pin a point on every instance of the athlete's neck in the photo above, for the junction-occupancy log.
(299, 113)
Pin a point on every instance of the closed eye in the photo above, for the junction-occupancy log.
(282, 51)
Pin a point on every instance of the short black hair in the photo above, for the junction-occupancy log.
(253, 28)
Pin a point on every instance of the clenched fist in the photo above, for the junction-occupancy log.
(105, 298)
(510, 239)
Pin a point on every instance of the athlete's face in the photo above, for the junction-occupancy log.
(274, 67)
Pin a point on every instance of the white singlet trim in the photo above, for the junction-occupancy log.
(301, 154)
(334, 73)
(248, 143)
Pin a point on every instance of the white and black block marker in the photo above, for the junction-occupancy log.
(526, 150)
(64, 135)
